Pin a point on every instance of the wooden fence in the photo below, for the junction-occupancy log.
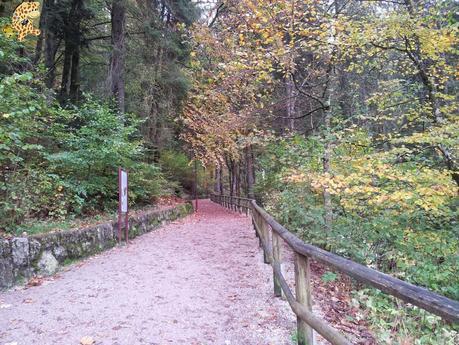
(271, 232)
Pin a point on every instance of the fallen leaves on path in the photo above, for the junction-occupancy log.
(35, 281)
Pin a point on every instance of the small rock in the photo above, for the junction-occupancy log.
(48, 263)
(20, 251)
(60, 253)
(34, 249)
(87, 341)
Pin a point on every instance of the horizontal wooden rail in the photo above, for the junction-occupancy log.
(262, 221)
(328, 332)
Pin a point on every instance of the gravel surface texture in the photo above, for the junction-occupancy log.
(200, 280)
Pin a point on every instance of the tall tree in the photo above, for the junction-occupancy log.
(70, 84)
(117, 59)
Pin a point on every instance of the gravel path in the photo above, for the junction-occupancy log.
(200, 280)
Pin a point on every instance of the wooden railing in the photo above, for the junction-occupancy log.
(270, 232)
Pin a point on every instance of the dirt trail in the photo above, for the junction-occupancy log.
(200, 280)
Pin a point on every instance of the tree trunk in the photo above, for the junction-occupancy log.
(230, 178)
(236, 178)
(70, 85)
(249, 172)
(220, 177)
(50, 46)
(326, 168)
(116, 73)
(74, 91)
(218, 180)
(231, 175)
(422, 64)
(39, 46)
(237, 167)
(66, 70)
(327, 154)
(328, 207)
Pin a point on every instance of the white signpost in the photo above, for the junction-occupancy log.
(124, 193)
(123, 203)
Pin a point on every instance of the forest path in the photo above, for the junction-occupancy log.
(200, 280)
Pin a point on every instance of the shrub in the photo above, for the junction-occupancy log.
(59, 162)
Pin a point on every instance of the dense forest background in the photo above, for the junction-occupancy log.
(101, 87)
(339, 117)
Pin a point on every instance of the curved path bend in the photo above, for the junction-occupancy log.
(200, 280)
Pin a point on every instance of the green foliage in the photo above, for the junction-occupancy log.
(397, 323)
(94, 142)
(25, 118)
(185, 10)
(329, 277)
(156, 82)
(414, 243)
(176, 165)
(147, 181)
(38, 226)
(59, 162)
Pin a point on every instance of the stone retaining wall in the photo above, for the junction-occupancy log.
(24, 257)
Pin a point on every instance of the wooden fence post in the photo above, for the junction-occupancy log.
(264, 229)
(277, 260)
(257, 223)
(254, 215)
(303, 296)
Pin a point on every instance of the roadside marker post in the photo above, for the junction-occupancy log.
(123, 188)
(196, 185)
